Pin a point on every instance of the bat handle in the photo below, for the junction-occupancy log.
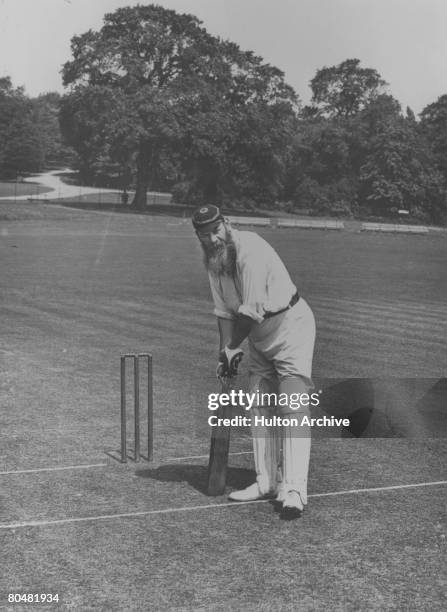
(224, 381)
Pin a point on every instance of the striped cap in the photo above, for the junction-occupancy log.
(206, 214)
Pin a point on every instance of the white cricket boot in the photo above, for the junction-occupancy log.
(292, 505)
(251, 493)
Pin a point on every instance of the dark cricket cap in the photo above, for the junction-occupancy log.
(206, 214)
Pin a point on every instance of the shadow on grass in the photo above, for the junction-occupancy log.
(196, 476)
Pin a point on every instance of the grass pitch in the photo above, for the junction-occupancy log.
(79, 288)
(12, 189)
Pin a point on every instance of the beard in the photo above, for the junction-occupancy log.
(221, 260)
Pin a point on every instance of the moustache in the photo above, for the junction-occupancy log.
(214, 249)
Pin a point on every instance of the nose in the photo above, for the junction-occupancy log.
(214, 239)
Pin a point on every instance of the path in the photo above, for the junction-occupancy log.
(58, 189)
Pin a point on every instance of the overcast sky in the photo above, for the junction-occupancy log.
(405, 40)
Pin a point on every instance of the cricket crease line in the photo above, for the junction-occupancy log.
(104, 517)
(55, 469)
(204, 456)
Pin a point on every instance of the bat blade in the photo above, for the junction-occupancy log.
(219, 450)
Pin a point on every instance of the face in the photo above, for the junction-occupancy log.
(218, 247)
(213, 237)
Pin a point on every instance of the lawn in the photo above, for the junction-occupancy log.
(79, 288)
(12, 189)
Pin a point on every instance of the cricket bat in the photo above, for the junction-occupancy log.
(219, 449)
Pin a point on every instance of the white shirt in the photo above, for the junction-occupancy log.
(261, 282)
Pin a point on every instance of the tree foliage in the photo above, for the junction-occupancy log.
(153, 85)
(45, 113)
(20, 147)
(434, 128)
(344, 90)
(399, 173)
(375, 161)
(30, 135)
(156, 102)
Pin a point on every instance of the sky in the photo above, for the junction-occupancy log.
(404, 40)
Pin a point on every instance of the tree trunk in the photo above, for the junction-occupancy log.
(143, 177)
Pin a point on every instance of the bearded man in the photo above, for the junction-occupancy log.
(255, 299)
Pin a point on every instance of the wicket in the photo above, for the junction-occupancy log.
(137, 359)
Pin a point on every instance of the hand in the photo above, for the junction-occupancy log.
(229, 360)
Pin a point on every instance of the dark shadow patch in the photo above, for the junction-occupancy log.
(433, 408)
(353, 399)
(290, 514)
(197, 475)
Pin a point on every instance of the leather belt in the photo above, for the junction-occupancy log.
(293, 301)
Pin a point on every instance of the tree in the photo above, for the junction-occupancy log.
(375, 161)
(20, 145)
(90, 120)
(363, 128)
(379, 112)
(399, 172)
(263, 147)
(45, 115)
(151, 83)
(333, 137)
(237, 155)
(344, 90)
(322, 170)
(433, 126)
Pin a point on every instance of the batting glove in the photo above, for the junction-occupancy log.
(229, 360)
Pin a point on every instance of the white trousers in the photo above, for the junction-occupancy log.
(280, 361)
